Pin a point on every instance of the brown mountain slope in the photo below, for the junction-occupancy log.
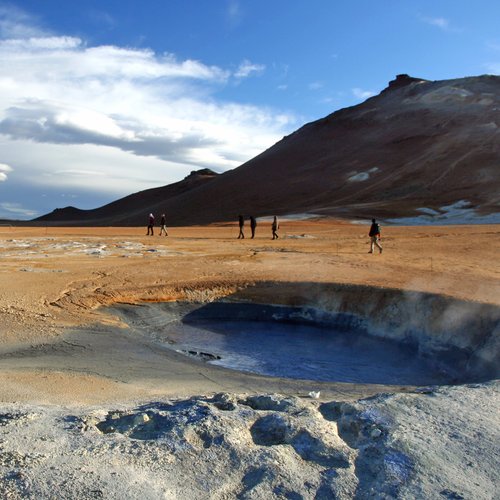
(418, 144)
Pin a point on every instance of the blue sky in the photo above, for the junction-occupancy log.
(103, 98)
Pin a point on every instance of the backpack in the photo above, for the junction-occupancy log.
(375, 229)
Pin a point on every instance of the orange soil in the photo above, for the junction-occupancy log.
(51, 278)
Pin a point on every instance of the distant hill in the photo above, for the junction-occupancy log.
(413, 149)
(133, 209)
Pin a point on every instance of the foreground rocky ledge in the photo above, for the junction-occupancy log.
(432, 443)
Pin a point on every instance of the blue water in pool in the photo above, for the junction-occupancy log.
(303, 352)
(285, 342)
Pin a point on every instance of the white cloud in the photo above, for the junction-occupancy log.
(69, 59)
(41, 43)
(15, 23)
(126, 98)
(247, 68)
(129, 112)
(316, 85)
(362, 94)
(3, 171)
(442, 23)
(234, 12)
(80, 173)
(15, 209)
(87, 168)
(439, 22)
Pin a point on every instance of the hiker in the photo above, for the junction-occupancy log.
(163, 225)
(151, 225)
(374, 235)
(275, 226)
(253, 225)
(241, 222)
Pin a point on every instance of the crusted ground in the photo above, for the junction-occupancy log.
(432, 443)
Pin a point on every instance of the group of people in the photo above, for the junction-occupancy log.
(151, 225)
(374, 232)
(253, 226)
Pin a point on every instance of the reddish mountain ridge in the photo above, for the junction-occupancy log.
(416, 148)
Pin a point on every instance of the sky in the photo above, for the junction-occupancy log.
(103, 98)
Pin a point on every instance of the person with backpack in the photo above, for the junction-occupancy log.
(163, 225)
(374, 235)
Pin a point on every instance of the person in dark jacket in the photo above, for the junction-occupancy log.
(374, 235)
(274, 227)
(241, 223)
(253, 225)
(151, 225)
(163, 225)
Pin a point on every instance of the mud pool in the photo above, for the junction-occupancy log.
(285, 342)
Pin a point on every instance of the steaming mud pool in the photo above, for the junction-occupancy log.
(284, 342)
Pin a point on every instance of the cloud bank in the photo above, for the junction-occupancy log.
(58, 93)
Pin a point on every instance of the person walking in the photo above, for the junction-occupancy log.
(253, 225)
(163, 226)
(151, 225)
(241, 223)
(374, 235)
(275, 226)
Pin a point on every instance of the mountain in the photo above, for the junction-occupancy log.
(419, 147)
